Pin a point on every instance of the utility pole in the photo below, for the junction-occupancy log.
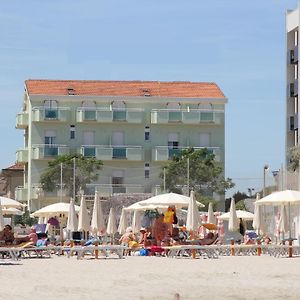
(188, 176)
(61, 180)
(164, 180)
(74, 181)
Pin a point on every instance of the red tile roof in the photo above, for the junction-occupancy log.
(15, 167)
(184, 89)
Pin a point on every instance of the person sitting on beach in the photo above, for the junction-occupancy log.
(7, 235)
(209, 239)
(127, 237)
(31, 237)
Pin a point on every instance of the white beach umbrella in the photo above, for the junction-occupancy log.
(286, 198)
(233, 224)
(138, 206)
(72, 222)
(7, 203)
(12, 211)
(83, 218)
(97, 224)
(210, 214)
(136, 221)
(1, 218)
(241, 214)
(54, 210)
(123, 224)
(111, 223)
(169, 199)
(193, 220)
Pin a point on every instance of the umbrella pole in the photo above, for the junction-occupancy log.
(193, 250)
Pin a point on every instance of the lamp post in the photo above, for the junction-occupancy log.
(266, 168)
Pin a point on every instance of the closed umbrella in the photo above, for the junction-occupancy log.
(72, 222)
(193, 221)
(210, 214)
(97, 224)
(233, 224)
(123, 224)
(83, 219)
(112, 224)
(1, 218)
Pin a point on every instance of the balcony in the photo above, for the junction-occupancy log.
(110, 189)
(48, 151)
(293, 89)
(192, 116)
(293, 56)
(103, 152)
(106, 115)
(22, 156)
(164, 153)
(22, 120)
(43, 114)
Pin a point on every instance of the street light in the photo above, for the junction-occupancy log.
(266, 168)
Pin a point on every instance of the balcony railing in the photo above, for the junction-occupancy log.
(110, 189)
(164, 153)
(22, 120)
(48, 151)
(22, 156)
(108, 152)
(192, 116)
(43, 114)
(107, 115)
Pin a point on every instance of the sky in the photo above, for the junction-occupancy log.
(240, 45)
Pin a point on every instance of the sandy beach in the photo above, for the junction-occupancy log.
(247, 277)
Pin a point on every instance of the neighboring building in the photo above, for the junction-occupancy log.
(10, 179)
(292, 103)
(134, 127)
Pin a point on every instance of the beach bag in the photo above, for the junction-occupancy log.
(143, 252)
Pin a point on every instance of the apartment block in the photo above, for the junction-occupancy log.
(134, 127)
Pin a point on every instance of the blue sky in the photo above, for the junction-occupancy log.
(240, 45)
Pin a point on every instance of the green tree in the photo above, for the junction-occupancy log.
(205, 173)
(294, 158)
(85, 172)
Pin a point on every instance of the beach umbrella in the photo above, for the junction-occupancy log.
(54, 210)
(233, 224)
(12, 211)
(1, 218)
(72, 222)
(97, 224)
(83, 218)
(193, 221)
(138, 206)
(123, 224)
(136, 221)
(169, 199)
(286, 198)
(241, 214)
(210, 214)
(7, 203)
(111, 223)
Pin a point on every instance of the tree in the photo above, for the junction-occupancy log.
(205, 173)
(85, 172)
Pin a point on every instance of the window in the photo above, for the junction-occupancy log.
(147, 170)
(204, 139)
(51, 109)
(147, 133)
(174, 110)
(50, 148)
(72, 132)
(88, 144)
(119, 111)
(173, 144)
(118, 182)
(89, 109)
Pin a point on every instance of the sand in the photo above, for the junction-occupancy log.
(247, 277)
